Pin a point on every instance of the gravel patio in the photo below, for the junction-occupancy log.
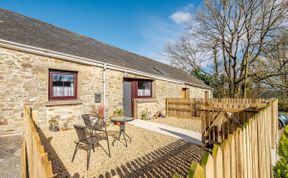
(150, 154)
(10, 154)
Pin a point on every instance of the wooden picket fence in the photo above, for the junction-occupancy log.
(190, 108)
(182, 108)
(247, 152)
(34, 159)
(219, 117)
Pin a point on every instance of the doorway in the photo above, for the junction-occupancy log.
(133, 89)
(127, 98)
(185, 93)
(206, 95)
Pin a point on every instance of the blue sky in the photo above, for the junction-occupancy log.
(140, 26)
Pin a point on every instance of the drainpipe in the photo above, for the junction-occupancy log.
(104, 89)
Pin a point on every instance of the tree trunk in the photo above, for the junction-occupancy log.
(244, 89)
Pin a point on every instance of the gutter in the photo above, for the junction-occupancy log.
(82, 60)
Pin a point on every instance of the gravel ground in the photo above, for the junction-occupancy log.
(193, 124)
(10, 152)
(149, 155)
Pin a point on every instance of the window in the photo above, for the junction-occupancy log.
(62, 85)
(144, 88)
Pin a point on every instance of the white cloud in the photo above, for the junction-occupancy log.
(181, 17)
(156, 33)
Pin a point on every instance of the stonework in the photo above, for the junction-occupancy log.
(24, 80)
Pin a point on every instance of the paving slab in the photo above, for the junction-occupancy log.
(183, 134)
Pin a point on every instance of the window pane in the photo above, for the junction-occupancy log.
(62, 84)
(144, 88)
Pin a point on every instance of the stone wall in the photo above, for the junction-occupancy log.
(165, 89)
(149, 107)
(114, 90)
(24, 80)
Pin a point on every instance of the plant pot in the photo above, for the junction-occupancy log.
(64, 129)
(117, 123)
(54, 128)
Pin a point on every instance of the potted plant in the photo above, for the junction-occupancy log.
(53, 125)
(117, 113)
(145, 114)
(100, 112)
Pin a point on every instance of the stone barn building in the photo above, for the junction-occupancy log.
(61, 73)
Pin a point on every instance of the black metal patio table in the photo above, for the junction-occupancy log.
(122, 121)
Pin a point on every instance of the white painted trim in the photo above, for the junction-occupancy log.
(73, 58)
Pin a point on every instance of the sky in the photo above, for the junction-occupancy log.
(144, 27)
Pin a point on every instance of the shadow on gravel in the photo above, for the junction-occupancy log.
(57, 165)
(166, 161)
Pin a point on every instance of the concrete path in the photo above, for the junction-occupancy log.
(186, 135)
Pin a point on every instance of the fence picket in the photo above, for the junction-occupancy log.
(218, 161)
(196, 171)
(247, 151)
(226, 159)
(33, 154)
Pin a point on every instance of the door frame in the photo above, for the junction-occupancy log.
(134, 90)
(186, 92)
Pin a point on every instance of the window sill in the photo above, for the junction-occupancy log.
(62, 103)
(145, 100)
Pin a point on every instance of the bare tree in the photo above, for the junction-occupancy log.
(276, 66)
(233, 36)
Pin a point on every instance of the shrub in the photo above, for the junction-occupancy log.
(281, 168)
(53, 124)
(118, 112)
(145, 115)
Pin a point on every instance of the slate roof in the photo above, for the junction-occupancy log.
(25, 30)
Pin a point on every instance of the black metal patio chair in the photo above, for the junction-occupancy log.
(98, 126)
(84, 142)
(87, 121)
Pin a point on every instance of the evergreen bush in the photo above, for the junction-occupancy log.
(281, 168)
